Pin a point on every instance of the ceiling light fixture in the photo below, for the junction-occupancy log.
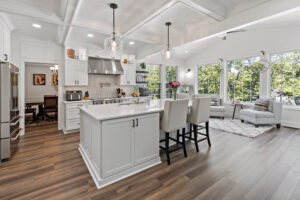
(168, 51)
(36, 25)
(186, 51)
(90, 35)
(113, 45)
(131, 42)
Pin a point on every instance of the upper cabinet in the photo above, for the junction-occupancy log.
(76, 73)
(4, 42)
(128, 78)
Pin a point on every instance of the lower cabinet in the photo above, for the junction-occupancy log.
(128, 142)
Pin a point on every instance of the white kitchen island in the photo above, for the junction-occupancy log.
(117, 141)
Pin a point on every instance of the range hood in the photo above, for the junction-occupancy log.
(105, 66)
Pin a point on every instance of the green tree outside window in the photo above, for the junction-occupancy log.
(209, 78)
(153, 80)
(171, 75)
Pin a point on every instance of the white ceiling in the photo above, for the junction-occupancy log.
(141, 21)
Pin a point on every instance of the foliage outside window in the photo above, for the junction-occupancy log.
(243, 79)
(153, 80)
(209, 78)
(286, 77)
(171, 75)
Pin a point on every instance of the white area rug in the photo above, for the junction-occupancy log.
(237, 127)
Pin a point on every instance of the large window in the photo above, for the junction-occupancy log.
(171, 75)
(243, 79)
(209, 79)
(153, 80)
(286, 76)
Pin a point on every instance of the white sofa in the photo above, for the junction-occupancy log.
(271, 116)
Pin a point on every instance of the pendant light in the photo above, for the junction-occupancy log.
(168, 51)
(113, 45)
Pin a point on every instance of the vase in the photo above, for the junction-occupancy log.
(175, 93)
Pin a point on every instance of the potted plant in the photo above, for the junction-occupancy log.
(174, 85)
(143, 66)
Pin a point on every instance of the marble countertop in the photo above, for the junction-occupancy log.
(81, 101)
(113, 111)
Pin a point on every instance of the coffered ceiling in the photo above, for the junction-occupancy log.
(137, 21)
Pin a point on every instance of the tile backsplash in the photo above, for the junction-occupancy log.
(103, 86)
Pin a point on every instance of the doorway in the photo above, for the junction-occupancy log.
(41, 94)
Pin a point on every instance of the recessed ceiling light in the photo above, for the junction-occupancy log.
(186, 51)
(131, 42)
(36, 25)
(90, 35)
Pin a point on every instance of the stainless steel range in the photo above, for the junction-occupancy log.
(9, 110)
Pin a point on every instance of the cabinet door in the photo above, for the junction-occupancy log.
(132, 74)
(146, 138)
(83, 73)
(123, 78)
(117, 146)
(6, 42)
(76, 73)
(1, 42)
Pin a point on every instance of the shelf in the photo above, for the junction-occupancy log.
(141, 82)
(142, 72)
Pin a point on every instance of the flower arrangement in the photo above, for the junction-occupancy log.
(174, 85)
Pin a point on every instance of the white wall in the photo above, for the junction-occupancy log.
(34, 93)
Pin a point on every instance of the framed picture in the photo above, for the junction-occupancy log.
(39, 79)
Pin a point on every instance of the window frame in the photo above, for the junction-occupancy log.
(156, 94)
(167, 81)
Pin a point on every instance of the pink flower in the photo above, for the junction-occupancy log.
(174, 84)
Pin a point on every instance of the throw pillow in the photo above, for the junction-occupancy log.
(261, 105)
(215, 102)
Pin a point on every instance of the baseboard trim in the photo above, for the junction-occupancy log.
(290, 124)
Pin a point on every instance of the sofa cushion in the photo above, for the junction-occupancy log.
(257, 114)
(217, 109)
(261, 105)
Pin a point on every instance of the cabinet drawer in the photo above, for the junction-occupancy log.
(73, 113)
(74, 105)
(72, 124)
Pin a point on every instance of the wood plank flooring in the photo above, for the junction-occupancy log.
(49, 166)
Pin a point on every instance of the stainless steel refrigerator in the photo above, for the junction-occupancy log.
(9, 110)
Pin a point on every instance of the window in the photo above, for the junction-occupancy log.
(243, 79)
(171, 75)
(153, 79)
(209, 79)
(286, 77)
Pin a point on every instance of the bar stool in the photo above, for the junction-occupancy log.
(182, 96)
(174, 119)
(199, 114)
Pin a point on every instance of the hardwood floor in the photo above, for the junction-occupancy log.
(49, 166)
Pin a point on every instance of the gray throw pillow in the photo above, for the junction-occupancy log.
(261, 105)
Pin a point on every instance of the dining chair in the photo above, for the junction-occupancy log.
(50, 106)
(199, 114)
(174, 119)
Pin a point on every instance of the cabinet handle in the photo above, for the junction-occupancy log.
(6, 57)
(133, 125)
(137, 122)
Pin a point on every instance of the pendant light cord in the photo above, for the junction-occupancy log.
(114, 33)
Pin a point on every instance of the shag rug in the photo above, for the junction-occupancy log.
(237, 127)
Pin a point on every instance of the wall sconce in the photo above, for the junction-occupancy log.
(189, 73)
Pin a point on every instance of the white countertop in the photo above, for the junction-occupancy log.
(113, 111)
(81, 101)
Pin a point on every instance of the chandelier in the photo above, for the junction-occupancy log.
(113, 45)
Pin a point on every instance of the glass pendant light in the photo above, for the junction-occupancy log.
(168, 51)
(113, 46)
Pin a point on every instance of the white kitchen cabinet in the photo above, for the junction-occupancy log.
(4, 43)
(76, 73)
(146, 145)
(129, 76)
(129, 141)
(117, 146)
(72, 115)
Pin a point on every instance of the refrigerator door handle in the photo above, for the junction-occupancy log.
(16, 122)
(17, 136)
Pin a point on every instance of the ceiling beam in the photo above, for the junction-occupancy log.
(71, 11)
(208, 8)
